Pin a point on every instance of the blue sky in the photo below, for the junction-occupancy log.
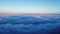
(30, 6)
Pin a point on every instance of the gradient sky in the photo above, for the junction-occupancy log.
(29, 6)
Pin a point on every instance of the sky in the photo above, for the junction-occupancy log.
(30, 6)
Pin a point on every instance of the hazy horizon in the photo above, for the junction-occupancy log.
(30, 6)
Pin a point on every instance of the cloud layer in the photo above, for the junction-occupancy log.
(30, 25)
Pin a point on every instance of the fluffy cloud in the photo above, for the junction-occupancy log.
(29, 25)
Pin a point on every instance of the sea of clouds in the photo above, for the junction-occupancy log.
(30, 25)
